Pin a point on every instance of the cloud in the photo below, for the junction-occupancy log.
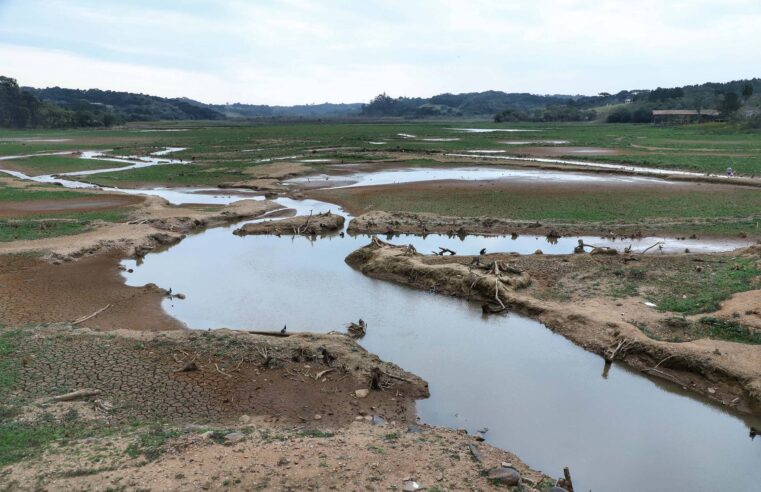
(299, 51)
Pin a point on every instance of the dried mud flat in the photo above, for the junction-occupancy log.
(237, 410)
(726, 372)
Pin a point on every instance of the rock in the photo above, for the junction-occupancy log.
(207, 435)
(475, 453)
(283, 461)
(378, 421)
(414, 429)
(245, 419)
(505, 475)
(362, 393)
(538, 252)
(234, 437)
(318, 417)
(411, 486)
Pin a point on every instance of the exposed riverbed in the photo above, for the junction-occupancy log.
(537, 393)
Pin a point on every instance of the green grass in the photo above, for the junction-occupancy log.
(40, 227)
(11, 194)
(624, 205)
(692, 293)
(10, 362)
(727, 330)
(151, 444)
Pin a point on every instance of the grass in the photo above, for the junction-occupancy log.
(10, 363)
(12, 194)
(692, 292)
(151, 444)
(577, 206)
(40, 227)
(727, 330)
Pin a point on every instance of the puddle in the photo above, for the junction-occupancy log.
(540, 396)
(412, 175)
(377, 143)
(595, 165)
(535, 142)
(492, 130)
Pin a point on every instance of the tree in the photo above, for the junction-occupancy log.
(620, 115)
(730, 103)
(747, 90)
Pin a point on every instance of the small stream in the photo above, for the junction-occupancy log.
(539, 395)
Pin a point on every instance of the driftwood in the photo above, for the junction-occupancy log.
(659, 243)
(566, 481)
(76, 395)
(269, 333)
(90, 316)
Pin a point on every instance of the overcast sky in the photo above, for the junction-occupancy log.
(311, 51)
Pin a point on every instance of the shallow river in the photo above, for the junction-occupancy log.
(538, 394)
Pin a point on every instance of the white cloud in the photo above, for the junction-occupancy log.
(299, 51)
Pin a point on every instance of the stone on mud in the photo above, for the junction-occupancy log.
(505, 475)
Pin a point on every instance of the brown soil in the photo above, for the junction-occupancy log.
(235, 373)
(359, 457)
(36, 291)
(153, 223)
(278, 170)
(292, 400)
(69, 205)
(313, 225)
(729, 373)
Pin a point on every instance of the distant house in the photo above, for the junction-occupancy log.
(628, 100)
(680, 116)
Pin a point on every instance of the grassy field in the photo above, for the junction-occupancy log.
(224, 151)
(52, 225)
(727, 210)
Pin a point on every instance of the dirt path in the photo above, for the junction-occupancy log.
(69, 205)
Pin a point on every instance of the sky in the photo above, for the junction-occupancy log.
(312, 51)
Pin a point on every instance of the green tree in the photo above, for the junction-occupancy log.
(747, 90)
(730, 103)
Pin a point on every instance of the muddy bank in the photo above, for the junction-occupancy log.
(311, 225)
(33, 290)
(217, 399)
(152, 224)
(381, 222)
(729, 373)
(69, 205)
(393, 223)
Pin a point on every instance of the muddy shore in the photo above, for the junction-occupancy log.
(223, 397)
(728, 373)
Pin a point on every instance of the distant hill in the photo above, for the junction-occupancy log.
(467, 104)
(27, 107)
(126, 106)
(324, 110)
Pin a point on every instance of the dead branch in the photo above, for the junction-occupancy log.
(76, 395)
(320, 374)
(659, 243)
(85, 318)
(221, 371)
